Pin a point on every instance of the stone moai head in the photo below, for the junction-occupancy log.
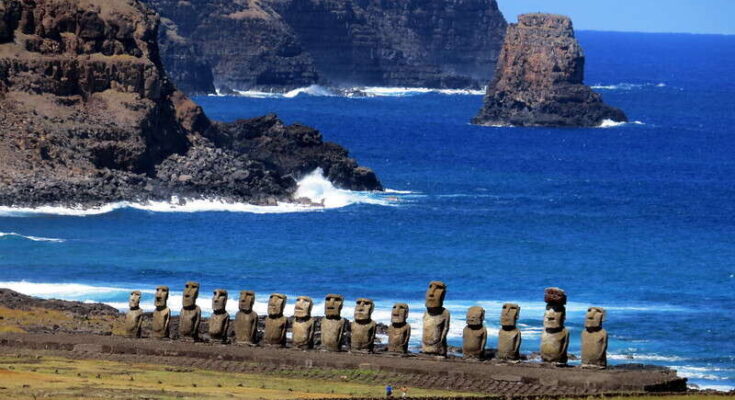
(435, 294)
(191, 293)
(509, 315)
(134, 300)
(475, 316)
(594, 318)
(161, 296)
(333, 305)
(219, 300)
(276, 305)
(303, 307)
(364, 310)
(554, 317)
(247, 300)
(399, 314)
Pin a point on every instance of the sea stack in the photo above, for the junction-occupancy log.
(539, 79)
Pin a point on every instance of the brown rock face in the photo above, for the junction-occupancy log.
(88, 115)
(539, 79)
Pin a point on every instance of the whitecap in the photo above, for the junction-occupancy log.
(358, 91)
(33, 238)
(608, 123)
(644, 357)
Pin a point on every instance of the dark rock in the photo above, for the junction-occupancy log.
(539, 79)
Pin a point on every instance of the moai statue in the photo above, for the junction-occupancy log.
(219, 322)
(509, 336)
(134, 318)
(474, 335)
(363, 328)
(304, 326)
(594, 339)
(276, 323)
(555, 338)
(399, 331)
(191, 314)
(333, 325)
(246, 320)
(161, 315)
(436, 321)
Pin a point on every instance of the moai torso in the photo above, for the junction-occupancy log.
(333, 325)
(436, 321)
(509, 336)
(474, 335)
(246, 320)
(304, 326)
(399, 331)
(594, 339)
(276, 323)
(162, 314)
(133, 323)
(554, 346)
(363, 328)
(191, 315)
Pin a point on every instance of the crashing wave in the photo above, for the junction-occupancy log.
(355, 92)
(608, 123)
(33, 238)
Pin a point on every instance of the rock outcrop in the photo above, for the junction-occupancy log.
(284, 44)
(539, 79)
(88, 115)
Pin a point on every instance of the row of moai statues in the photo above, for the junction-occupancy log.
(436, 321)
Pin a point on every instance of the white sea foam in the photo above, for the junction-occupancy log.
(370, 91)
(627, 86)
(378, 91)
(608, 123)
(643, 357)
(33, 238)
(314, 186)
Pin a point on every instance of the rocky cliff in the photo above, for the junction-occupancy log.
(283, 44)
(88, 115)
(539, 79)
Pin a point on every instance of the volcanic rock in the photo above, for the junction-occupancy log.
(539, 79)
(88, 116)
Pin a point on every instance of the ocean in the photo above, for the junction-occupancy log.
(637, 218)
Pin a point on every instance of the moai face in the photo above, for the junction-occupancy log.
(333, 305)
(219, 300)
(161, 296)
(399, 315)
(509, 315)
(303, 307)
(134, 301)
(594, 318)
(191, 293)
(364, 309)
(435, 294)
(276, 304)
(247, 299)
(554, 317)
(475, 316)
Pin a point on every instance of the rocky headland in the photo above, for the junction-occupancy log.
(280, 45)
(539, 79)
(89, 116)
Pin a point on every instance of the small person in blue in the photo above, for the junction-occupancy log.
(389, 391)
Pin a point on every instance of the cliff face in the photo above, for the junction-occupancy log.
(539, 79)
(284, 44)
(87, 115)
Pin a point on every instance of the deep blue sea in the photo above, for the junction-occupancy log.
(639, 218)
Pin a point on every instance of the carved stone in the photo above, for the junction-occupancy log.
(304, 326)
(246, 320)
(399, 331)
(191, 314)
(134, 318)
(276, 323)
(509, 336)
(555, 338)
(474, 335)
(219, 322)
(161, 315)
(594, 339)
(333, 325)
(363, 328)
(436, 321)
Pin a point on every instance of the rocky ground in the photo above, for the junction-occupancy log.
(89, 116)
(539, 79)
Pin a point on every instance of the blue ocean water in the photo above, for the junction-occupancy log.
(639, 218)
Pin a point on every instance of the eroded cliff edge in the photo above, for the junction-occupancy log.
(285, 44)
(88, 116)
(539, 79)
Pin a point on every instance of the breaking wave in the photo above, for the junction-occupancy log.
(355, 92)
(320, 192)
(608, 123)
(32, 238)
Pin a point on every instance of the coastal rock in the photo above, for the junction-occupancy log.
(539, 79)
(88, 116)
(297, 43)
